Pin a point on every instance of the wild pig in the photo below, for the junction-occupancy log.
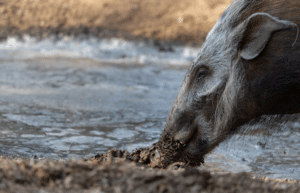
(248, 66)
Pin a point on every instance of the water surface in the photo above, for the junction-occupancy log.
(68, 105)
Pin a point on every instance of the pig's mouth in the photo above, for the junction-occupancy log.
(187, 148)
(196, 147)
(173, 151)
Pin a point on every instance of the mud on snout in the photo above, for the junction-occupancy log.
(166, 153)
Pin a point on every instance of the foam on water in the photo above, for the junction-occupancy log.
(112, 50)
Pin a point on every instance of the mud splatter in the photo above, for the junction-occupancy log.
(163, 154)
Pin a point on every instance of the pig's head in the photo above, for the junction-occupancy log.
(248, 66)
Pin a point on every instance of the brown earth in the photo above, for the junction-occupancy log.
(90, 176)
(188, 20)
(113, 172)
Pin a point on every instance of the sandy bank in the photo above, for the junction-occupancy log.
(188, 20)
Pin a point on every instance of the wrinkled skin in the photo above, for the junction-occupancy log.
(248, 66)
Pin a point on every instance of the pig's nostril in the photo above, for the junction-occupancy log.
(181, 137)
(184, 135)
(202, 144)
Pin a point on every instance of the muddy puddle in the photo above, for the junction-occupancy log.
(70, 106)
(65, 108)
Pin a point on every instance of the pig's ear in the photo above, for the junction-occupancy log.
(257, 31)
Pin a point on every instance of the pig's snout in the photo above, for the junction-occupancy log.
(181, 126)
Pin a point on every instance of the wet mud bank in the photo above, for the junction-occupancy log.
(90, 176)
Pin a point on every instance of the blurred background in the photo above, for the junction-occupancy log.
(188, 20)
(79, 77)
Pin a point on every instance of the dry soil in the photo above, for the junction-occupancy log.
(188, 20)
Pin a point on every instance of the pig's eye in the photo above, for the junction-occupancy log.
(201, 74)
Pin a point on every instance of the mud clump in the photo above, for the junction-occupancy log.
(166, 153)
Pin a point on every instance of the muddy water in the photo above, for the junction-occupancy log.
(65, 107)
(274, 156)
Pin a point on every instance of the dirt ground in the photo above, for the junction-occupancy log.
(187, 21)
(120, 171)
(90, 176)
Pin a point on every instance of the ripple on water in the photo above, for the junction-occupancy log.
(94, 132)
(122, 133)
